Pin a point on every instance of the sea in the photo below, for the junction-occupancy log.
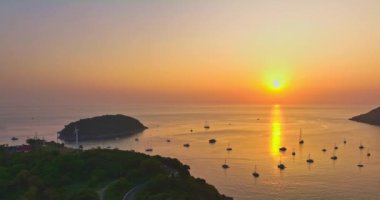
(254, 133)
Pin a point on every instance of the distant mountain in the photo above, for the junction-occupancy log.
(102, 127)
(372, 117)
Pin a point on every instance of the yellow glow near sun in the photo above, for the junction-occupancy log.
(276, 81)
(276, 85)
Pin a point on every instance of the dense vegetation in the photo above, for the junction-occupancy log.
(51, 171)
(102, 127)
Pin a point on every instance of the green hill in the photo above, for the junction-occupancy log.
(102, 127)
(51, 171)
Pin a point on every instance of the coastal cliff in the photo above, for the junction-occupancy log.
(101, 127)
(372, 117)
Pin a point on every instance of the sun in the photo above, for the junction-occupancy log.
(276, 85)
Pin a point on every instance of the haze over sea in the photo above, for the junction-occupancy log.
(255, 133)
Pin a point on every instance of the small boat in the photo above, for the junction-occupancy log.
(225, 166)
(149, 147)
(136, 139)
(309, 160)
(255, 174)
(335, 147)
(168, 140)
(361, 146)
(186, 145)
(281, 166)
(293, 152)
(334, 157)
(206, 126)
(212, 141)
(300, 140)
(14, 138)
(282, 149)
(191, 130)
(344, 141)
(324, 149)
(229, 148)
(360, 164)
(368, 153)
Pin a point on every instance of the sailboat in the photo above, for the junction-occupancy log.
(334, 157)
(361, 145)
(282, 149)
(225, 166)
(309, 160)
(206, 126)
(293, 152)
(300, 139)
(255, 174)
(212, 141)
(149, 148)
(281, 166)
(229, 148)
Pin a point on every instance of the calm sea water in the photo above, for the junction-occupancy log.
(253, 132)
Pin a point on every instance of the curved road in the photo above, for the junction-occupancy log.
(132, 192)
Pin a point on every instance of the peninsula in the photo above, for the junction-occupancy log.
(372, 117)
(101, 127)
(48, 170)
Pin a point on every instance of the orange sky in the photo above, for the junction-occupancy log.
(190, 52)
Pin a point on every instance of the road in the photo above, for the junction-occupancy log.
(133, 192)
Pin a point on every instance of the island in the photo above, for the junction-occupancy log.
(49, 170)
(372, 117)
(101, 127)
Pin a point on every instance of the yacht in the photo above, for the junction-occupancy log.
(255, 174)
(212, 141)
(309, 160)
(301, 141)
(206, 126)
(282, 149)
(225, 166)
(361, 145)
(281, 166)
(229, 148)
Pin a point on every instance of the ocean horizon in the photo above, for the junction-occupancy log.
(255, 134)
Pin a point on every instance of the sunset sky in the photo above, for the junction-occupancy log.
(259, 52)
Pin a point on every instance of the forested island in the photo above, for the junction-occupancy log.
(372, 117)
(49, 170)
(101, 127)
